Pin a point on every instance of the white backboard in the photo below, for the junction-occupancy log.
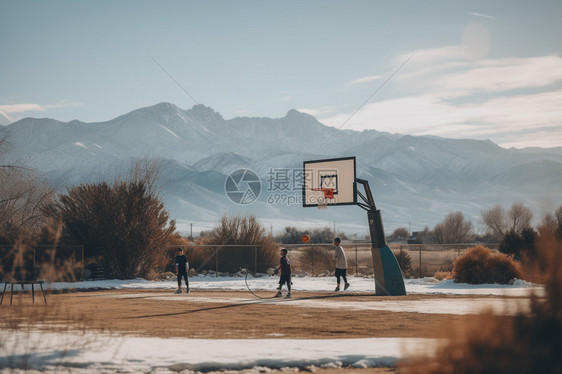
(337, 174)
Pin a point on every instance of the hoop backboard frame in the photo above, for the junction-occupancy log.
(335, 173)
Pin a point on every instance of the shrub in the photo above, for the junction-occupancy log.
(253, 246)
(125, 225)
(317, 259)
(405, 261)
(527, 343)
(520, 244)
(479, 265)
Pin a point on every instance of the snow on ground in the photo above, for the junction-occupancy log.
(318, 284)
(53, 352)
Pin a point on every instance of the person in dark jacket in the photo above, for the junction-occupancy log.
(284, 273)
(182, 266)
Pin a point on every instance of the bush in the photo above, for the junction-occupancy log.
(479, 265)
(247, 235)
(317, 259)
(405, 261)
(521, 245)
(126, 225)
(527, 343)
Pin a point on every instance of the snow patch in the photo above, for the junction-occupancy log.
(54, 352)
(170, 131)
(80, 144)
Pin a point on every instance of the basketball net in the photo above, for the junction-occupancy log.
(328, 197)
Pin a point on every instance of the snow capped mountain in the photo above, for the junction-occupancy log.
(415, 180)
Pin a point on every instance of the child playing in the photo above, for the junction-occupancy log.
(181, 270)
(285, 273)
(341, 264)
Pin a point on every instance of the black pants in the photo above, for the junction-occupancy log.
(184, 275)
(341, 273)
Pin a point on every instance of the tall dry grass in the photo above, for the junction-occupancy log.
(529, 342)
(316, 260)
(235, 243)
(27, 329)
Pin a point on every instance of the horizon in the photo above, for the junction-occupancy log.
(251, 117)
(483, 71)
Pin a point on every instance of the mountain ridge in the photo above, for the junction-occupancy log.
(419, 179)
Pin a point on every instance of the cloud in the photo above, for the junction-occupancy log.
(512, 101)
(362, 80)
(489, 76)
(493, 119)
(16, 110)
(20, 108)
(481, 15)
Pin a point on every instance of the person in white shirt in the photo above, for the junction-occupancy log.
(341, 264)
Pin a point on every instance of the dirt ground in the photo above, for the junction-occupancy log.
(234, 315)
(228, 314)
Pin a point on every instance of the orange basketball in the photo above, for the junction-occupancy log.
(305, 238)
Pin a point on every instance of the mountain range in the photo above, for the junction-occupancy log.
(416, 180)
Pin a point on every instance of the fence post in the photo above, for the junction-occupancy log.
(356, 265)
(83, 262)
(420, 261)
(217, 262)
(255, 259)
(312, 259)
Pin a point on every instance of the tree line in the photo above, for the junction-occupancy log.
(125, 225)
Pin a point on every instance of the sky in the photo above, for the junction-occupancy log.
(455, 69)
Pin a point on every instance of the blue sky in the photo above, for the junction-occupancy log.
(478, 69)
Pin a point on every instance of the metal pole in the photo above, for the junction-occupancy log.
(420, 261)
(312, 252)
(82, 262)
(255, 259)
(356, 267)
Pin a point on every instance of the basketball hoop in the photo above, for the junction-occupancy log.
(328, 197)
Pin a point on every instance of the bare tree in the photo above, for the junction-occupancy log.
(548, 224)
(519, 217)
(494, 220)
(401, 233)
(558, 216)
(552, 223)
(498, 222)
(453, 229)
(23, 195)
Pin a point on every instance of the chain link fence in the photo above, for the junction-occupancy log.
(416, 260)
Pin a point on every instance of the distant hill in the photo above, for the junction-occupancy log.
(416, 180)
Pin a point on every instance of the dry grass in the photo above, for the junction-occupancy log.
(23, 323)
(528, 343)
(440, 275)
